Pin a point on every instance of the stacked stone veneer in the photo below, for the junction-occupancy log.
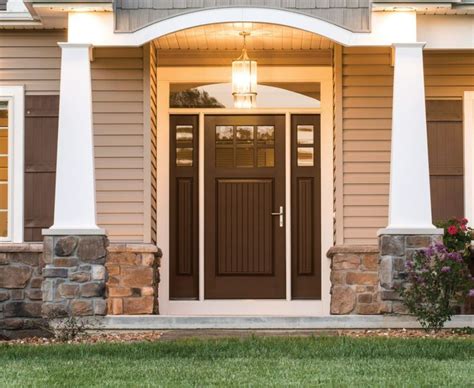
(20, 289)
(394, 251)
(74, 275)
(133, 271)
(355, 280)
(365, 279)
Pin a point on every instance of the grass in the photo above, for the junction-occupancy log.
(310, 361)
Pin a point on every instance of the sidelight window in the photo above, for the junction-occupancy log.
(305, 141)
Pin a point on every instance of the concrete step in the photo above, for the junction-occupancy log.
(167, 322)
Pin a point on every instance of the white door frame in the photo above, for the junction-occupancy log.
(210, 75)
(468, 128)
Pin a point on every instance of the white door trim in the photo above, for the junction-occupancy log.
(222, 75)
(468, 128)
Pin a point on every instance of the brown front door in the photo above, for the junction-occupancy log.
(244, 185)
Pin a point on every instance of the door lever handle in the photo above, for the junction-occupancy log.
(280, 214)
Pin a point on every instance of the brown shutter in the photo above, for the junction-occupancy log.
(445, 144)
(41, 137)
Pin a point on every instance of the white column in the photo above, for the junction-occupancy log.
(410, 200)
(74, 209)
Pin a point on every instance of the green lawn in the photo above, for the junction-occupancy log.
(334, 361)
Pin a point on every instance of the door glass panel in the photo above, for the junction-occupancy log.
(225, 157)
(305, 134)
(244, 134)
(266, 134)
(305, 156)
(184, 157)
(244, 157)
(266, 157)
(184, 134)
(224, 134)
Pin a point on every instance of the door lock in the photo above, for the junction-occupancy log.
(280, 214)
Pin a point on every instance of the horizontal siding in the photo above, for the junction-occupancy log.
(367, 103)
(117, 93)
(448, 73)
(31, 58)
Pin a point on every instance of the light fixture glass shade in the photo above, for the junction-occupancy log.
(244, 81)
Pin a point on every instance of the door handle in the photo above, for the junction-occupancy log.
(280, 214)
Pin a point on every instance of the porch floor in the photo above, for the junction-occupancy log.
(163, 322)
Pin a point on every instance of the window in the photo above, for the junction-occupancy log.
(4, 197)
(11, 163)
(274, 95)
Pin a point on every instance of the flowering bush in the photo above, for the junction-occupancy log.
(437, 279)
(457, 235)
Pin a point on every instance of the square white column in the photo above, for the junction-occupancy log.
(410, 199)
(75, 203)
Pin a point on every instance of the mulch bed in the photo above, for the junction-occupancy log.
(154, 336)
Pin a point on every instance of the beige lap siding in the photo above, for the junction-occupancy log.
(448, 74)
(117, 85)
(367, 103)
(31, 58)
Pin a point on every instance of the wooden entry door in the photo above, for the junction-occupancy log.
(244, 192)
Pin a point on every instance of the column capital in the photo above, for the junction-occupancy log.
(409, 45)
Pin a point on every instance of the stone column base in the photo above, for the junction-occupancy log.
(133, 271)
(394, 251)
(74, 275)
(355, 280)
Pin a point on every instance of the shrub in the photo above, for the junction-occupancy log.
(437, 280)
(457, 235)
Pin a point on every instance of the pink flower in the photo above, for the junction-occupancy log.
(463, 227)
(452, 230)
(464, 221)
(471, 293)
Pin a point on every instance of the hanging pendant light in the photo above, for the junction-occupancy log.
(244, 79)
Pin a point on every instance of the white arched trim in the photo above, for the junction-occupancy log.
(98, 27)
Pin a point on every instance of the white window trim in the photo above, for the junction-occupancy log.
(468, 110)
(16, 127)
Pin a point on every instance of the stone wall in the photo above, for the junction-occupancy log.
(74, 275)
(355, 280)
(20, 289)
(133, 271)
(365, 279)
(394, 251)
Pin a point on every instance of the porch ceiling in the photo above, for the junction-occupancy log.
(225, 36)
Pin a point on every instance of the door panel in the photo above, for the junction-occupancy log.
(244, 185)
(244, 228)
(306, 207)
(184, 236)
